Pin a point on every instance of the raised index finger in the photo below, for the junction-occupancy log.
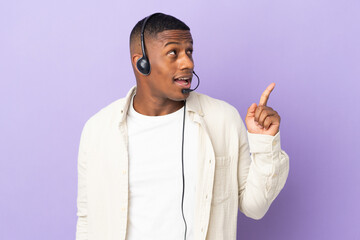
(265, 95)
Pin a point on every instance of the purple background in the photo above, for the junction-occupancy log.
(61, 61)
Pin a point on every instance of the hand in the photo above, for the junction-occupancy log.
(263, 119)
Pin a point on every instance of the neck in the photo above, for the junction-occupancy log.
(150, 105)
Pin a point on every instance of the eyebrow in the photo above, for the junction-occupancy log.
(168, 43)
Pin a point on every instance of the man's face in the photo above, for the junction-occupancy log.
(170, 56)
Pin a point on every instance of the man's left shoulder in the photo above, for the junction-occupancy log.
(213, 106)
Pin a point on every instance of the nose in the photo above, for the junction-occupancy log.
(186, 62)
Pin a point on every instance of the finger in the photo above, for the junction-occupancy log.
(267, 122)
(271, 120)
(251, 110)
(264, 114)
(258, 111)
(265, 95)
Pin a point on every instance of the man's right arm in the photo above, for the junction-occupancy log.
(82, 223)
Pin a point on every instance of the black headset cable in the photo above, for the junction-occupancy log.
(183, 177)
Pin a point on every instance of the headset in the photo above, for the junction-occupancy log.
(143, 65)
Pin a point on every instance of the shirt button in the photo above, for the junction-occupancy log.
(124, 172)
(206, 196)
(274, 143)
(123, 209)
(210, 161)
(202, 229)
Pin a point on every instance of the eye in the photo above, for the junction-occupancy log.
(190, 51)
(172, 53)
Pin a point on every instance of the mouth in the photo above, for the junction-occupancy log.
(183, 81)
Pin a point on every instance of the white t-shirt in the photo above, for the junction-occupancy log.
(155, 175)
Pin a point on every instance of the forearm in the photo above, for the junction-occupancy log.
(267, 174)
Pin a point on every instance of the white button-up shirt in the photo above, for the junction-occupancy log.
(228, 178)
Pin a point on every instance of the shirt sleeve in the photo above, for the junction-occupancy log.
(82, 221)
(262, 171)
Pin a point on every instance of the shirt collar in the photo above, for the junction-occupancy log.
(192, 104)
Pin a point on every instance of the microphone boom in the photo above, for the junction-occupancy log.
(184, 91)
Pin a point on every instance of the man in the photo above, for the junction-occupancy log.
(168, 163)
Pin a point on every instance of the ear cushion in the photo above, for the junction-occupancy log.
(143, 65)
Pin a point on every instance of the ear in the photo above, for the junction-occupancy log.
(134, 58)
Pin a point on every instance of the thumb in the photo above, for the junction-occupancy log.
(251, 110)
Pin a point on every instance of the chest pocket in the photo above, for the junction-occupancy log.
(222, 180)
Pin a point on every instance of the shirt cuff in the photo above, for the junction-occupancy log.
(261, 143)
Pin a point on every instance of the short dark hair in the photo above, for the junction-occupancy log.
(157, 23)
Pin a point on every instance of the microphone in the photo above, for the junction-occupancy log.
(184, 91)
